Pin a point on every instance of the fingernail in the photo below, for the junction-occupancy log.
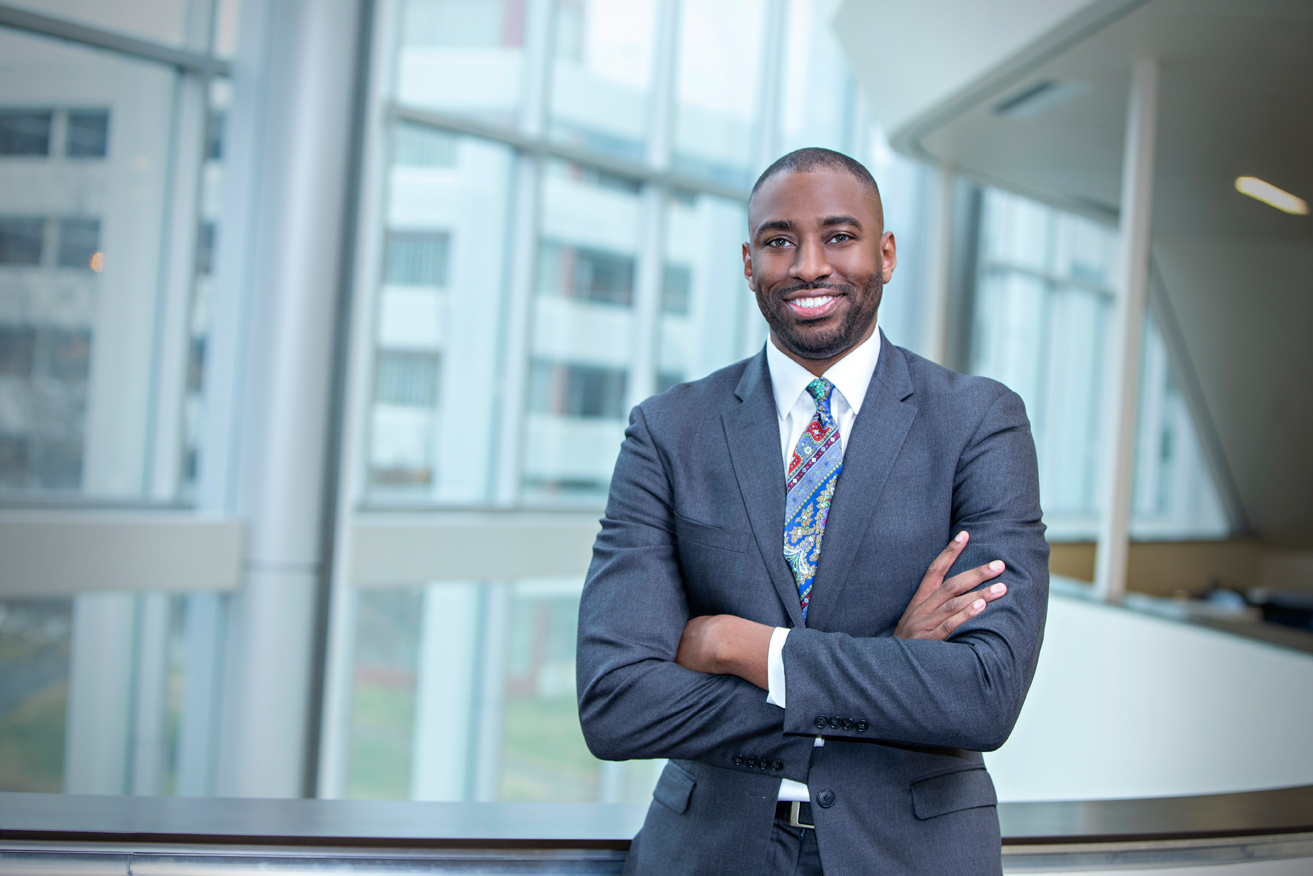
(978, 605)
(961, 536)
(996, 566)
(997, 588)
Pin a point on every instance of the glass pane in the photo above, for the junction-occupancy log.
(819, 93)
(439, 317)
(85, 185)
(34, 651)
(484, 709)
(476, 43)
(166, 21)
(1175, 495)
(583, 333)
(199, 315)
(602, 74)
(719, 59)
(25, 133)
(706, 305)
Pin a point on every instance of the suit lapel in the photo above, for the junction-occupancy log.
(753, 432)
(877, 436)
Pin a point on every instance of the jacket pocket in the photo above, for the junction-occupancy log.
(950, 792)
(674, 788)
(708, 535)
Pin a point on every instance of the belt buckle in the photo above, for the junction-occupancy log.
(795, 808)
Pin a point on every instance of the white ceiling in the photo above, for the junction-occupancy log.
(1236, 90)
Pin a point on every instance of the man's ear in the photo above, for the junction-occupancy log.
(888, 255)
(747, 266)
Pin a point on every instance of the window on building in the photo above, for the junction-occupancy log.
(21, 240)
(417, 258)
(421, 146)
(406, 378)
(67, 354)
(577, 390)
(79, 242)
(205, 249)
(25, 132)
(586, 274)
(17, 350)
(88, 133)
(676, 289)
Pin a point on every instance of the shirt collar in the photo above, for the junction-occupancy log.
(851, 375)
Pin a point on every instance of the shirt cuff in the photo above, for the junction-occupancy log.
(775, 667)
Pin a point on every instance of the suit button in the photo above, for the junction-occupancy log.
(835, 723)
(825, 798)
(849, 723)
(861, 726)
(777, 766)
(739, 760)
(821, 721)
(764, 763)
(752, 761)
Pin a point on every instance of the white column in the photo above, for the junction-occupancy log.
(1121, 395)
(444, 691)
(934, 339)
(297, 229)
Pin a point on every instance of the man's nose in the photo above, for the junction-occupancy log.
(810, 262)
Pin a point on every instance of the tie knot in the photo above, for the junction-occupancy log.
(820, 390)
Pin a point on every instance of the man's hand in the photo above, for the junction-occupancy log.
(722, 644)
(941, 606)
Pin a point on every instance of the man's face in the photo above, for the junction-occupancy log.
(817, 259)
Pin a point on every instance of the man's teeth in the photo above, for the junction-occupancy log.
(813, 302)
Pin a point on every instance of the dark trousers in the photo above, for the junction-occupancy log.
(793, 852)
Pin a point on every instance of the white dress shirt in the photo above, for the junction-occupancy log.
(795, 407)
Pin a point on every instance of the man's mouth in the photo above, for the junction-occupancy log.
(813, 306)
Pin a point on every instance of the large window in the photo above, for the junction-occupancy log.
(1042, 303)
(526, 289)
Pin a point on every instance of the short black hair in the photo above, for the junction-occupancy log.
(812, 157)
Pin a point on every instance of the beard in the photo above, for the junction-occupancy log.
(823, 342)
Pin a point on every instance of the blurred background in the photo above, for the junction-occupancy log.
(320, 323)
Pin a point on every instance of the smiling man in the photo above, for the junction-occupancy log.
(771, 604)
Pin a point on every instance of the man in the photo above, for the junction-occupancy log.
(770, 603)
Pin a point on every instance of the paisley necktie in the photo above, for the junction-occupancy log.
(809, 490)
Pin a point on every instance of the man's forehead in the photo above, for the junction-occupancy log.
(823, 191)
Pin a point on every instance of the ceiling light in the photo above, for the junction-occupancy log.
(1271, 195)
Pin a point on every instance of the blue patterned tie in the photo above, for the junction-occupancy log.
(809, 490)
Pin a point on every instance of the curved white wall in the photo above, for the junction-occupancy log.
(1129, 705)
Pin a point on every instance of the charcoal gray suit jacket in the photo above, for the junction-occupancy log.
(694, 526)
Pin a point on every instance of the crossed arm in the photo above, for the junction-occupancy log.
(653, 683)
(723, 644)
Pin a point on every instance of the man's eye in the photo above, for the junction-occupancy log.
(841, 237)
(777, 241)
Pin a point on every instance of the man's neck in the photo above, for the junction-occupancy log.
(818, 367)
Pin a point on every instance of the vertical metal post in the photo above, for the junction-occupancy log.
(1121, 392)
(509, 456)
(934, 341)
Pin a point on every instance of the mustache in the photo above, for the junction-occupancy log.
(841, 288)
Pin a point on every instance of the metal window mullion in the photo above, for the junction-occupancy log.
(523, 252)
(50, 26)
(770, 74)
(352, 461)
(177, 289)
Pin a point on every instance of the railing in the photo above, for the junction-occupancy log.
(1214, 834)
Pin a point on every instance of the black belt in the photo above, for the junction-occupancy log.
(794, 813)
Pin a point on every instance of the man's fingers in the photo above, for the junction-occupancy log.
(969, 606)
(939, 566)
(973, 578)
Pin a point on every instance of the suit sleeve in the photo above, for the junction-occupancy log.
(965, 692)
(634, 700)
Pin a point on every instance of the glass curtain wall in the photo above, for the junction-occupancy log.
(1042, 303)
(561, 205)
(109, 172)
